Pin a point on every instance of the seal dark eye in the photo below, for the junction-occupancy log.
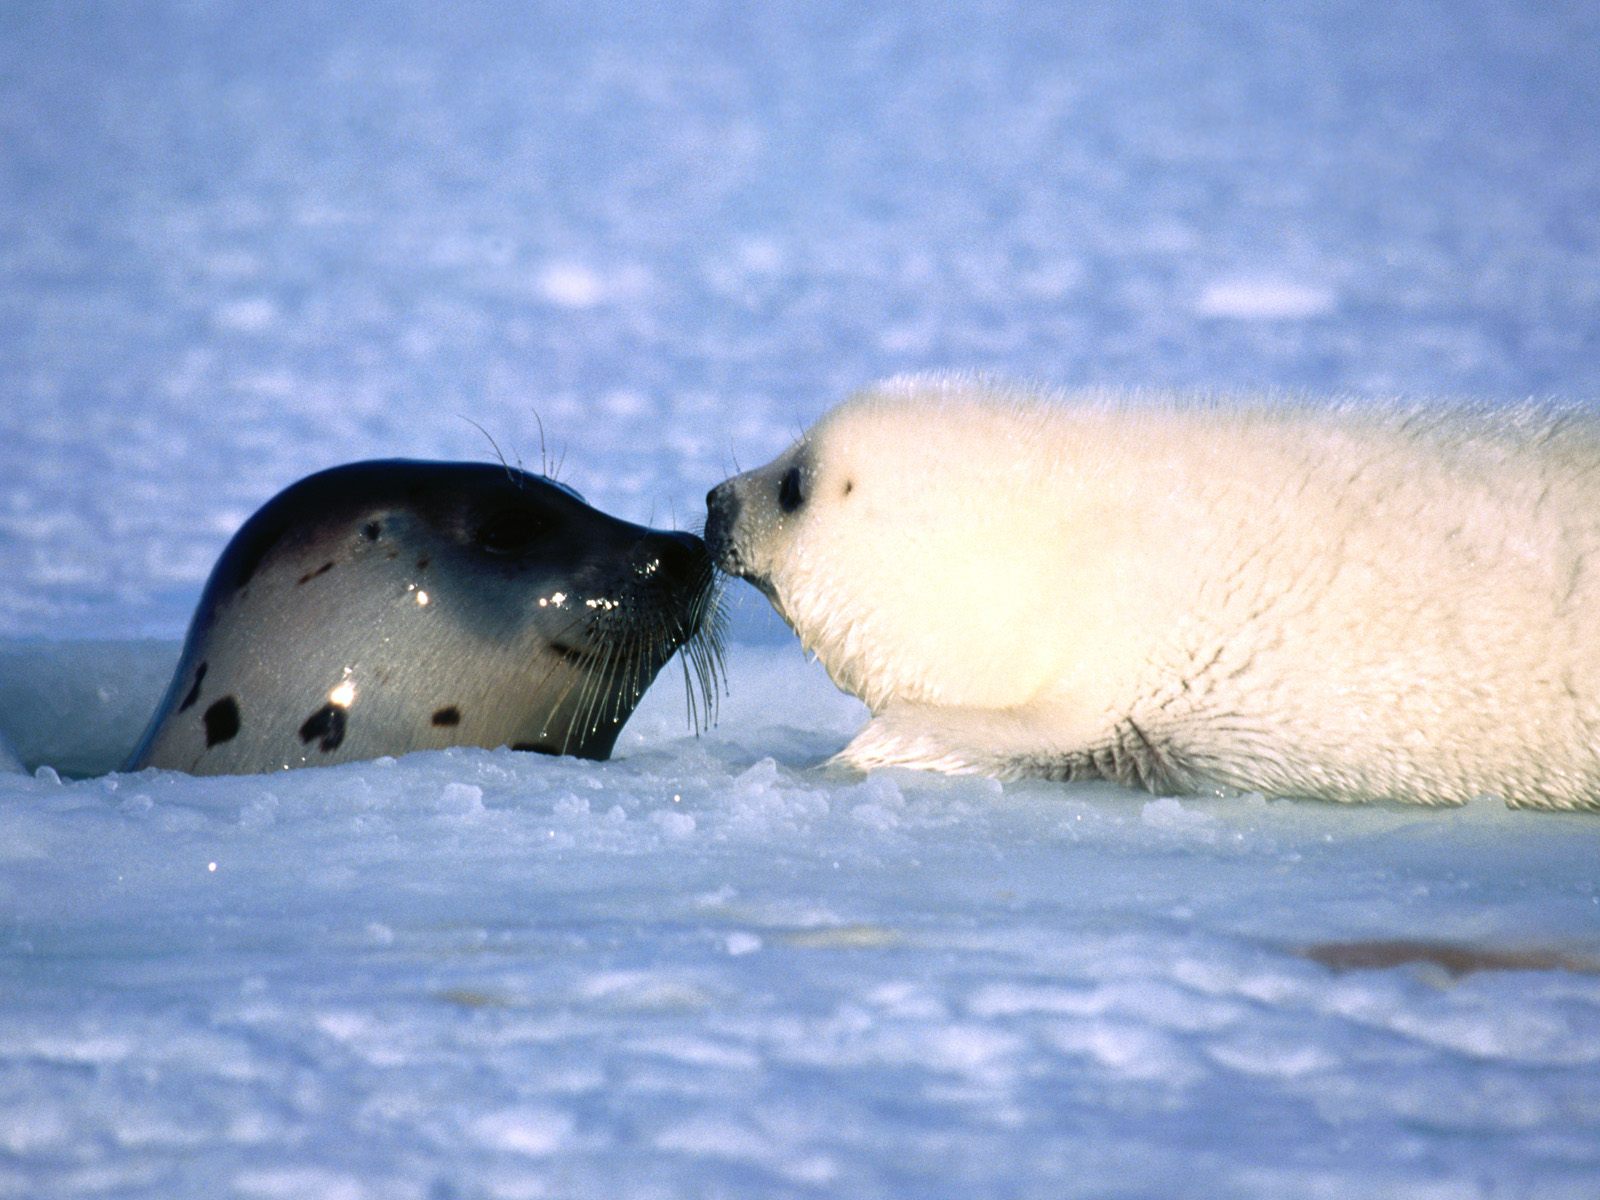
(511, 531)
(790, 494)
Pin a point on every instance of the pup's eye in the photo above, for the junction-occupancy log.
(790, 495)
(511, 531)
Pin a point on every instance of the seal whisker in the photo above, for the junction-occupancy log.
(694, 683)
(586, 688)
(602, 686)
(544, 454)
(690, 704)
(706, 646)
(513, 476)
(614, 686)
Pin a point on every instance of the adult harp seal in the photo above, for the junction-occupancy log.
(388, 606)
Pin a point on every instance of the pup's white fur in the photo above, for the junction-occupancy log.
(1350, 602)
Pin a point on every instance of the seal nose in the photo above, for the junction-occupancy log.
(676, 570)
(722, 509)
(681, 556)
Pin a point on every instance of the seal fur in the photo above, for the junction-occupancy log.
(1344, 601)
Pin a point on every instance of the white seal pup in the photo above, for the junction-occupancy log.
(1349, 602)
(389, 606)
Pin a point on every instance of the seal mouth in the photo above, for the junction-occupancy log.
(668, 606)
(724, 551)
(572, 655)
(722, 511)
(729, 563)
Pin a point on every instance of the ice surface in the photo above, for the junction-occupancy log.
(239, 242)
(1264, 299)
(708, 968)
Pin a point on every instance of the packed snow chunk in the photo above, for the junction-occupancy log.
(882, 802)
(983, 1055)
(571, 285)
(460, 800)
(715, 1139)
(757, 802)
(742, 943)
(1010, 1000)
(673, 824)
(531, 1131)
(294, 1183)
(757, 779)
(1264, 300)
(575, 285)
(34, 1125)
(699, 1052)
(1184, 823)
(253, 314)
(642, 992)
(1128, 1050)
(259, 812)
(908, 1000)
(1273, 1055)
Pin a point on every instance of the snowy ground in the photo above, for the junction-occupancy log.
(240, 242)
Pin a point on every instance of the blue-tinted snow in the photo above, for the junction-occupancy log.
(241, 242)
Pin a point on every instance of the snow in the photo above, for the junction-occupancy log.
(1264, 300)
(240, 242)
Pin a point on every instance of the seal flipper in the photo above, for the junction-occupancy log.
(1003, 743)
(1007, 744)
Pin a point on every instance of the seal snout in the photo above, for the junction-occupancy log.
(722, 510)
(678, 559)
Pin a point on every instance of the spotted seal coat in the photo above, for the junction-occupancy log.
(388, 606)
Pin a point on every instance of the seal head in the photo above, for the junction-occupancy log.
(388, 606)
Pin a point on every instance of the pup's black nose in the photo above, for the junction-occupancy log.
(722, 509)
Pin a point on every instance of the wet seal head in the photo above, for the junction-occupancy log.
(389, 606)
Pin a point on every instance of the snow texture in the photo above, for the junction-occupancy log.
(243, 241)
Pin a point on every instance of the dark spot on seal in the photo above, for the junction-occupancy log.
(325, 727)
(310, 575)
(392, 555)
(423, 563)
(222, 721)
(849, 486)
(447, 716)
(790, 494)
(194, 692)
(527, 747)
(372, 530)
(254, 545)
